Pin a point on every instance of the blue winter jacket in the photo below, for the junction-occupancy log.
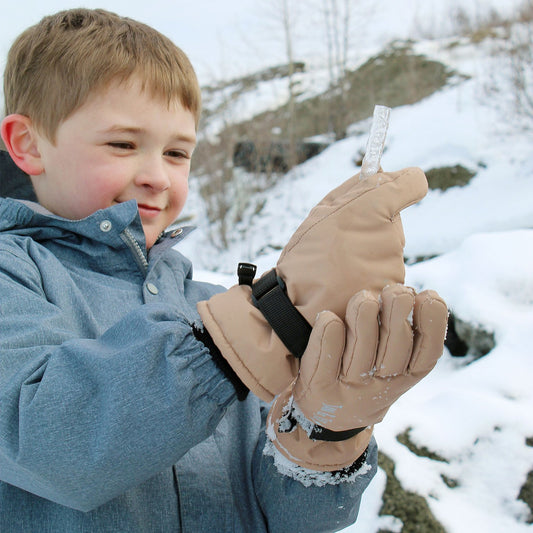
(113, 417)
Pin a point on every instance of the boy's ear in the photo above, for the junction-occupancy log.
(19, 136)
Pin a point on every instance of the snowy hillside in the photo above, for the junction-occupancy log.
(475, 414)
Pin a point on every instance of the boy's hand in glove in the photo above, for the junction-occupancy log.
(352, 240)
(353, 371)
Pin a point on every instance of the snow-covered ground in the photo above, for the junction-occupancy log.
(476, 413)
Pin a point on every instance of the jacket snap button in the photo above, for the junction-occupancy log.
(176, 232)
(152, 288)
(105, 225)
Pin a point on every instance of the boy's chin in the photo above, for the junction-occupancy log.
(151, 235)
(150, 241)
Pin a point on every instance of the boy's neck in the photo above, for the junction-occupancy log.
(38, 208)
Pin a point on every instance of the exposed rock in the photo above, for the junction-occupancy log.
(411, 508)
(275, 156)
(526, 495)
(466, 338)
(421, 451)
(445, 177)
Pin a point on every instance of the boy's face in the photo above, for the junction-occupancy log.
(122, 144)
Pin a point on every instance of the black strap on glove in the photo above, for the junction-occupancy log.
(321, 433)
(316, 432)
(269, 295)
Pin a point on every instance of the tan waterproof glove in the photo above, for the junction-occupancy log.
(353, 371)
(352, 240)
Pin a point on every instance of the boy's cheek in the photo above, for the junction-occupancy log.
(181, 196)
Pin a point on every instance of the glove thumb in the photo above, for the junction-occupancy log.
(391, 192)
(322, 359)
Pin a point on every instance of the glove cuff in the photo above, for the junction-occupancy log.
(360, 467)
(247, 342)
(296, 445)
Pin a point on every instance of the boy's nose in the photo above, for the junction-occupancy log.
(153, 175)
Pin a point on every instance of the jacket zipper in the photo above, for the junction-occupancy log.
(135, 247)
(178, 495)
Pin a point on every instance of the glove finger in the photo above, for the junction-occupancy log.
(396, 332)
(320, 364)
(430, 320)
(361, 338)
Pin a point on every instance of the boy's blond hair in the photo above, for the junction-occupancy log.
(53, 67)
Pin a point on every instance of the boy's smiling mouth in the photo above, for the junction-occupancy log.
(148, 211)
(145, 210)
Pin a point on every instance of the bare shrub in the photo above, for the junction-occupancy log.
(520, 57)
(511, 81)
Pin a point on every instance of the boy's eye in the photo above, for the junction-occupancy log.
(121, 145)
(177, 154)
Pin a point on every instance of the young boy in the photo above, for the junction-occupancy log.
(118, 411)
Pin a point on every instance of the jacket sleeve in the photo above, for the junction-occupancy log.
(291, 505)
(84, 419)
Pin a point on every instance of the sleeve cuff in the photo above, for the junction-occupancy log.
(203, 336)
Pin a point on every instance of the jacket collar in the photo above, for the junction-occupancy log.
(31, 219)
(28, 219)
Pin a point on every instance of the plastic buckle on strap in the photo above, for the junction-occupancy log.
(246, 273)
